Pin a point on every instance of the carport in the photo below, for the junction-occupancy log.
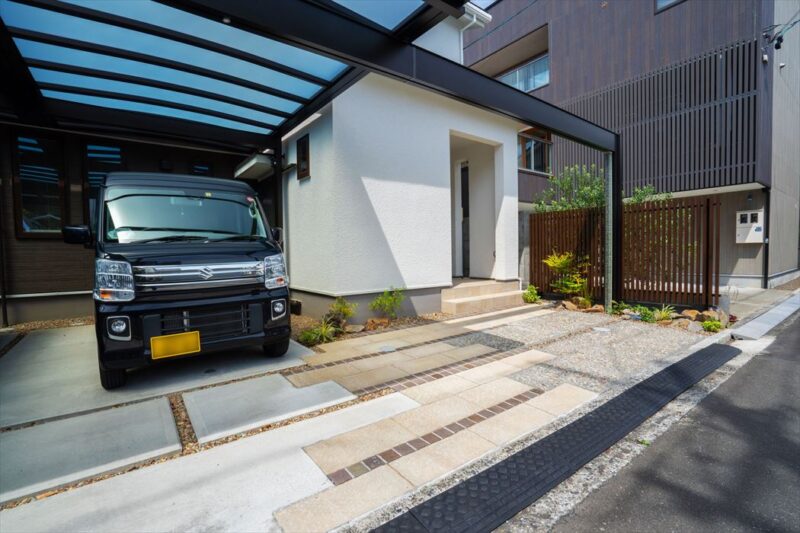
(229, 75)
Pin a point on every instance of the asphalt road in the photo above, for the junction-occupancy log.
(733, 464)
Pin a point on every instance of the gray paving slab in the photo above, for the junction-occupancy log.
(6, 336)
(52, 454)
(229, 409)
(234, 487)
(759, 326)
(53, 373)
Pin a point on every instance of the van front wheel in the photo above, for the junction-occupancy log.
(276, 350)
(112, 378)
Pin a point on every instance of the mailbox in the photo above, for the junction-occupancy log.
(750, 227)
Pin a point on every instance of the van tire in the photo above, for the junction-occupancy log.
(277, 349)
(112, 378)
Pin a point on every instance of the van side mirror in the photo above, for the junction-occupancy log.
(77, 234)
(277, 235)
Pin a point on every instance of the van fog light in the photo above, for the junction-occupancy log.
(278, 308)
(119, 328)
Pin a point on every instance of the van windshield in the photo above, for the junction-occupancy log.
(155, 214)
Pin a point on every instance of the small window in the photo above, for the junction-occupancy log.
(100, 160)
(754, 218)
(39, 182)
(742, 218)
(534, 153)
(201, 169)
(303, 158)
(529, 76)
(664, 4)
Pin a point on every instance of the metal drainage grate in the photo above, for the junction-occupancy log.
(489, 498)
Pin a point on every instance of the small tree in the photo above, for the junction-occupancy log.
(570, 274)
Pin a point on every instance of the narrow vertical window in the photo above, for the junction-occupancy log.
(201, 169)
(38, 199)
(100, 160)
(303, 158)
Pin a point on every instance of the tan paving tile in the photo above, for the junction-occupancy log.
(562, 399)
(467, 352)
(342, 503)
(493, 392)
(511, 424)
(332, 357)
(369, 378)
(426, 418)
(378, 361)
(439, 389)
(488, 372)
(380, 346)
(348, 448)
(428, 349)
(304, 379)
(421, 364)
(488, 324)
(528, 359)
(441, 457)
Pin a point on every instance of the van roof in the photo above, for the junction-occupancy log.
(162, 179)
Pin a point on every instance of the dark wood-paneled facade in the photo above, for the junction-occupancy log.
(686, 87)
(44, 264)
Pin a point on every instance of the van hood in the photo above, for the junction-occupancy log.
(188, 253)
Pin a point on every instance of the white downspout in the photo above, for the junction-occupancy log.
(461, 37)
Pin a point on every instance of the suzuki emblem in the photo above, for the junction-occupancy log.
(206, 273)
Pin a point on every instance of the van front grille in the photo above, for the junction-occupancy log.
(150, 278)
(213, 324)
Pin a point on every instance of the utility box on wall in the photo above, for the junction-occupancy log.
(750, 227)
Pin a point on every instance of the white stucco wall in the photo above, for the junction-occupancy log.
(443, 39)
(376, 211)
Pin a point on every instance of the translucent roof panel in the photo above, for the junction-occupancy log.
(41, 20)
(387, 13)
(124, 88)
(177, 20)
(78, 58)
(126, 105)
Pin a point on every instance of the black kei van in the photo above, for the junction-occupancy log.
(183, 265)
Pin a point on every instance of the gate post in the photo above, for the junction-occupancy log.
(707, 286)
(609, 256)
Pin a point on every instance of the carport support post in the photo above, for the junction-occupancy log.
(608, 274)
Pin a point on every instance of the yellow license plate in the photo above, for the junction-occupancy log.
(174, 345)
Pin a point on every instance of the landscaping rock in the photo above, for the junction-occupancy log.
(688, 324)
(376, 323)
(708, 314)
(569, 306)
(723, 318)
(597, 308)
(675, 316)
(354, 328)
(691, 314)
(664, 322)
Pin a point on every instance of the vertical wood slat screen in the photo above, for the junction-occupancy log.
(670, 249)
(688, 126)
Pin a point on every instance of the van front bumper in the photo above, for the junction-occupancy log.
(223, 322)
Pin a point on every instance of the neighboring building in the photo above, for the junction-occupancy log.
(702, 103)
(380, 178)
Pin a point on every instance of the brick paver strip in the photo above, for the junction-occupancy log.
(486, 500)
(408, 447)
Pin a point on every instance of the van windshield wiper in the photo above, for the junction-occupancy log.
(239, 238)
(172, 238)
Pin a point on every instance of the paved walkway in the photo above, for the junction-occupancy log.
(731, 465)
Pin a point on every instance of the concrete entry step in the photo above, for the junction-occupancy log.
(50, 455)
(478, 304)
(218, 412)
(464, 288)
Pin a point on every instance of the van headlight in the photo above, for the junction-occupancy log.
(275, 272)
(113, 281)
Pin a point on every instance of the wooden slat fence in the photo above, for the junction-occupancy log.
(670, 249)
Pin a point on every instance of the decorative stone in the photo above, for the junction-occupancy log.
(597, 308)
(675, 316)
(691, 314)
(689, 325)
(376, 323)
(708, 314)
(664, 322)
(723, 318)
(354, 328)
(569, 306)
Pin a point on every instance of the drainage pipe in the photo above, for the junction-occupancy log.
(473, 22)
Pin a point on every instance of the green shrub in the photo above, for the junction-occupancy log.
(321, 333)
(712, 326)
(570, 273)
(340, 312)
(645, 313)
(388, 303)
(618, 307)
(531, 295)
(582, 302)
(665, 313)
